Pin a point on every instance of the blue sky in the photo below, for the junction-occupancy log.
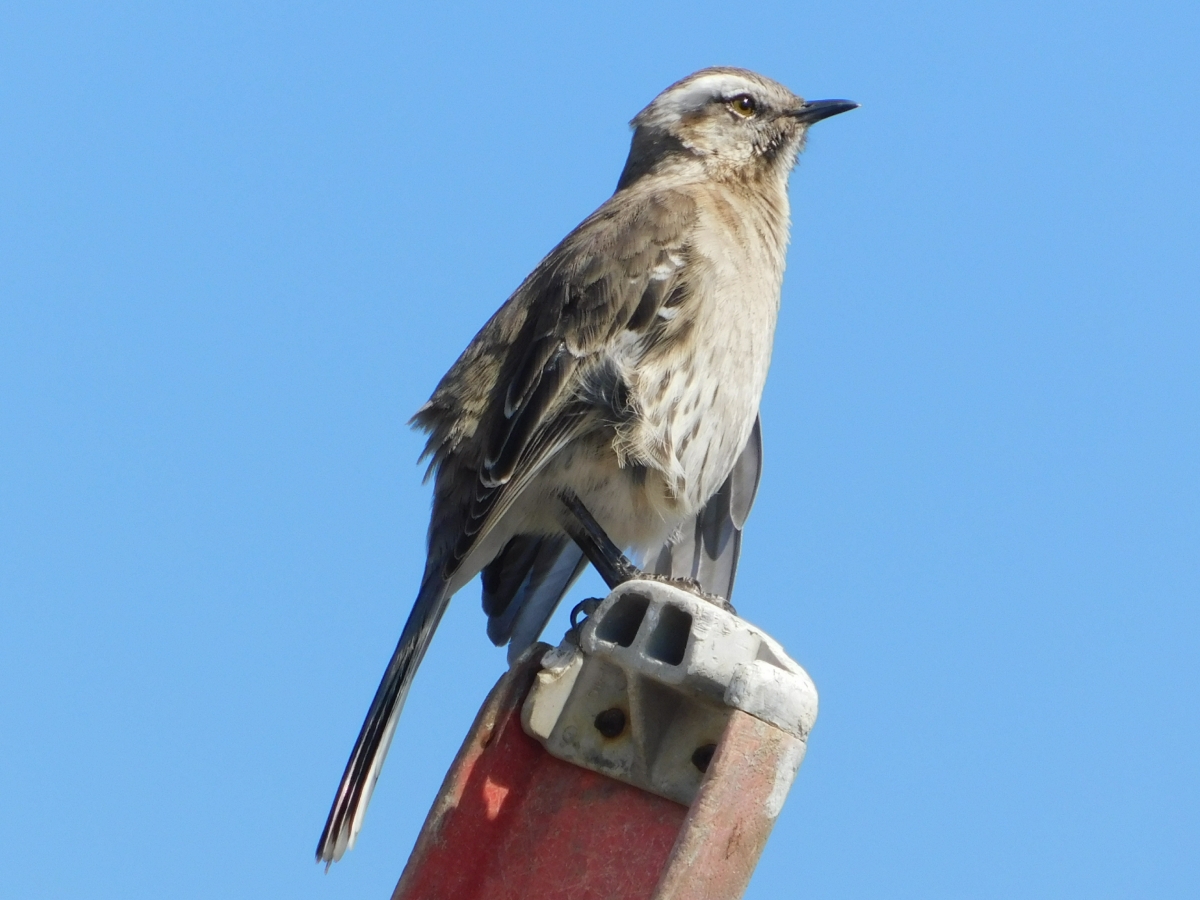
(240, 246)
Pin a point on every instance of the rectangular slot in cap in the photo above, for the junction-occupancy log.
(621, 625)
(668, 641)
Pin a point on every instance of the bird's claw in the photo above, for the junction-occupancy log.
(584, 608)
(692, 586)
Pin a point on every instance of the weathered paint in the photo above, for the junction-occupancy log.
(513, 823)
(734, 812)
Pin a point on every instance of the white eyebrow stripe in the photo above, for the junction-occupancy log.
(693, 95)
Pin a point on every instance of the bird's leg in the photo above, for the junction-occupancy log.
(613, 565)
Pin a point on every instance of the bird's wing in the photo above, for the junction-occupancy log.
(535, 377)
(541, 372)
(708, 547)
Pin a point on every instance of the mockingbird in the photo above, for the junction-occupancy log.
(618, 386)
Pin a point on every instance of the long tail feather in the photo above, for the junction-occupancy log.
(362, 770)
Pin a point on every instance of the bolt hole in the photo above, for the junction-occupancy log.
(611, 722)
(703, 756)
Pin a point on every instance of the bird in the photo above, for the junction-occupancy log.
(619, 383)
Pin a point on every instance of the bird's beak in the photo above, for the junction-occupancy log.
(816, 110)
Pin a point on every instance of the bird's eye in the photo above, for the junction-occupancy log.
(744, 105)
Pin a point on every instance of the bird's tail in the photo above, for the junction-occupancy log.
(362, 770)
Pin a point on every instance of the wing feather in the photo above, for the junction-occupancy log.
(707, 547)
(526, 385)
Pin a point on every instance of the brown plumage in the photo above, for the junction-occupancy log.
(626, 369)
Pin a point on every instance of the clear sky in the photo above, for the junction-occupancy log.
(239, 247)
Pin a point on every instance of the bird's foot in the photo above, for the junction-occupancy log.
(692, 586)
(584, 608)
(614, 567)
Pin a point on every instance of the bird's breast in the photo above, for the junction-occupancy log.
(697, 394)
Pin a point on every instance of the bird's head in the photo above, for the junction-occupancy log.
(724, 123)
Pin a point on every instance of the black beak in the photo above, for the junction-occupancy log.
(816, 110)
